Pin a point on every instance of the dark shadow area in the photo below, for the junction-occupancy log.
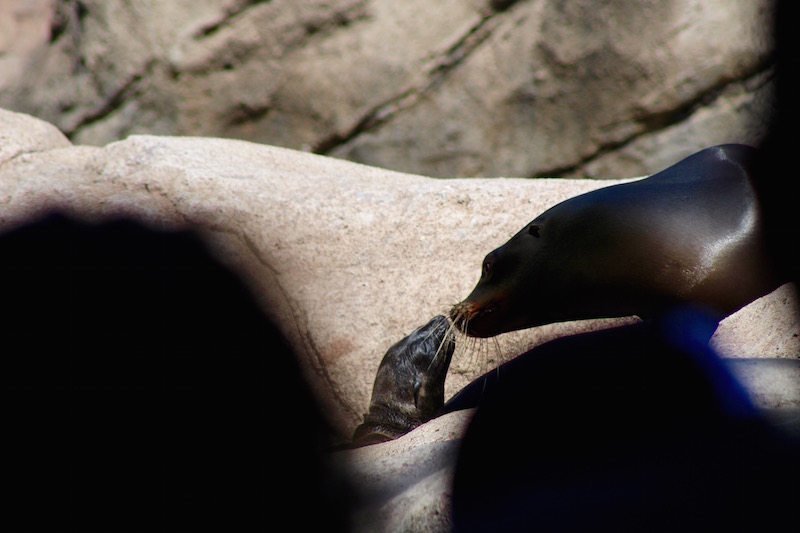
(637, 428)
(146, 391)
(779, 178)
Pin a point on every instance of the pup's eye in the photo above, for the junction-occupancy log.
(533, 229)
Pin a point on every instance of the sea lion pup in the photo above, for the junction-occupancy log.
(692, 233)
(409, 384)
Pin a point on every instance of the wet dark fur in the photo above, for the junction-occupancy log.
(691, 233)
(409, 384)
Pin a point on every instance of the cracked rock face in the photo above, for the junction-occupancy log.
(449, 88)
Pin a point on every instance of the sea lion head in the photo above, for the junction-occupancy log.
(566, 264)
(508, 284)
(690, 234)
(409, 384)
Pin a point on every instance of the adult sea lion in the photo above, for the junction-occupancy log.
(409, 384)
(692, 233)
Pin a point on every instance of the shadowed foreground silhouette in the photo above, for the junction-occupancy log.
(637, 428)
(147, 390)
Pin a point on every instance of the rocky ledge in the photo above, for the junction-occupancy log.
(347, 259)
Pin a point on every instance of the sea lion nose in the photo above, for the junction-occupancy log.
(438, 323)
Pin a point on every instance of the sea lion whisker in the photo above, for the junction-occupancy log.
(469, 343)
(477, 350)
(485, 350)
(445, 339)
(477, 356)
(499, 351)
(431, 333)
(500, 356)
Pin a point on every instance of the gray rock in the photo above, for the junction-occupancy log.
(449, 88)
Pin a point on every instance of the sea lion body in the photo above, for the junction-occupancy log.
(692, 233)
(409, 385)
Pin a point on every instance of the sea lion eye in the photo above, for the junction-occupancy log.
(533, 229)
(487, 268)
(417, 388)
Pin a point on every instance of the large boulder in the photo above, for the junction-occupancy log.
(448, 88)
(348, 259)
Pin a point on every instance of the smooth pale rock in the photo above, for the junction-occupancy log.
(779, 333)
(347, 258)
(23, 134)
(404, 484)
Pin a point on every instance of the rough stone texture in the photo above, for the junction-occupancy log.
(349, 259)
(449, 88)
(736, 338)
(773, 383)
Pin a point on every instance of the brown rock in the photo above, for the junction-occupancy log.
(449, 88)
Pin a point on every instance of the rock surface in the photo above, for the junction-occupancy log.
(451, 88)
(404, 484)
(348, 259)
